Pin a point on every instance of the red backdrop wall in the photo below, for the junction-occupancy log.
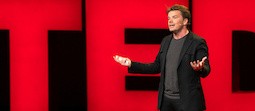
(29, 22)
(212, 19)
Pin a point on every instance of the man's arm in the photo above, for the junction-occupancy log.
(136, 67)
(201, 67)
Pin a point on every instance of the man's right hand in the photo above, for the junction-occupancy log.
(122, 60)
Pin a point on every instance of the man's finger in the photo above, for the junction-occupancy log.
(115, 58)
(201, 63)
(191, 63)
(204, 58)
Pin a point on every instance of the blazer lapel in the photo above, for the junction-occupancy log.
(185, 46)
(165, 48)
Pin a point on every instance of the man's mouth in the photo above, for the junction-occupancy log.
(171, 25)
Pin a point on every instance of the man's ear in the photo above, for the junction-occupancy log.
(185, 21)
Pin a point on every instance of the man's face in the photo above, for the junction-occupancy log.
(176, 21)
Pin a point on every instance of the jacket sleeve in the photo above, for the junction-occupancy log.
(202, 51)
(142, 68)
(150, 68)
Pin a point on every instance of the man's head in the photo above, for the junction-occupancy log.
(178, 18)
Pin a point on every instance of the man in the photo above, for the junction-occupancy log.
(181, 60)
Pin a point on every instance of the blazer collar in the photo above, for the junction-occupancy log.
(185, 46)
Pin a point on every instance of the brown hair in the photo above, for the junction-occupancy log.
(184, 11)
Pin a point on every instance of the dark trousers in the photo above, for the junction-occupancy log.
(171, 105)
(175, 105)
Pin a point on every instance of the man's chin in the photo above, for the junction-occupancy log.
(171, 30)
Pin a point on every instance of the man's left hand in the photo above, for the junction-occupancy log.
(198, 65)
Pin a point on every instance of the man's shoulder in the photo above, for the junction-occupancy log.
(197, 37)
(166, 38)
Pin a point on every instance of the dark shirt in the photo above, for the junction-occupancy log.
(171, 79)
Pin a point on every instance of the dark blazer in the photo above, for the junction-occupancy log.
(191, 93)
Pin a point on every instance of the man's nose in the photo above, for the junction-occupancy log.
(170, 21)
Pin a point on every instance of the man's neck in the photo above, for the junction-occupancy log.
(181, 33)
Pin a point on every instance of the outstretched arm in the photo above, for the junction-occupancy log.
(201, 67)
(142, 68)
